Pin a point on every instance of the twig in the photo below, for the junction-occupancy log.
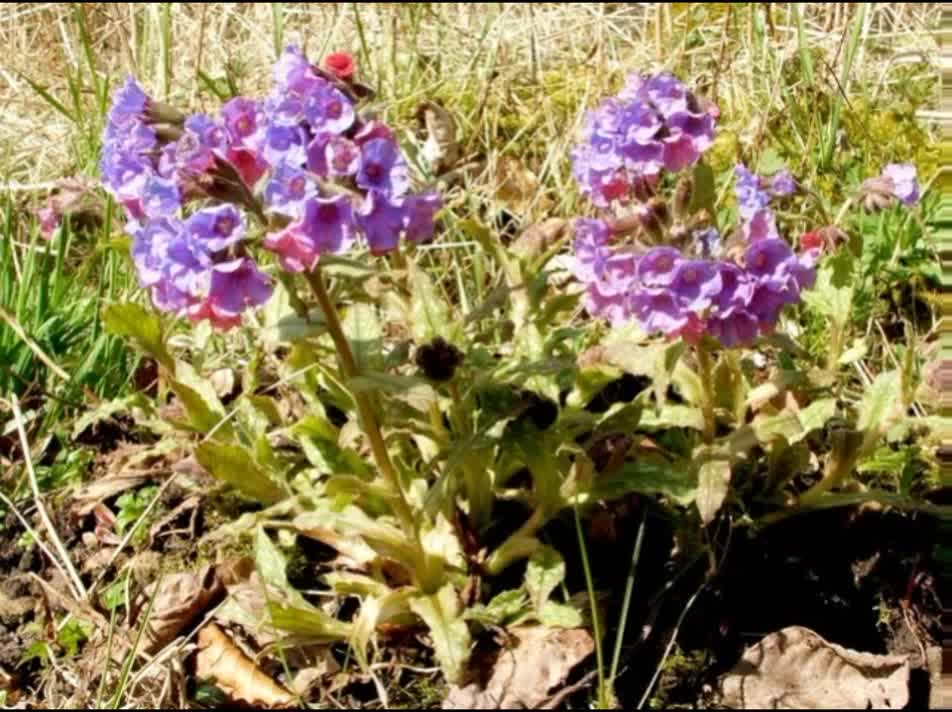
(44, 515)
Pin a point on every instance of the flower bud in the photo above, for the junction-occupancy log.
(438, 360)
(877, 194)
(682, 197)
(341, 65)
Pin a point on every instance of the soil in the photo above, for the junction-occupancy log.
(862, 579)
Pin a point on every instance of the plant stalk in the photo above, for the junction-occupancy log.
(368, 418)
(520, 545)
(706, 365)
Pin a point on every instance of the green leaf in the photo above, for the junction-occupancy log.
(291, 328)
(236, 466)
(429, 313)
(350, 530)
(589, 382)
(620, 418)
(142, 326)
(672, 416)
(714, 479)
(319, 440)
(649, 478)
(557, 615)
(198, 397)
(208, 695)
(362, 328)
(546, 570)
(340, 267)
(501, 609)
(730, 387)
(705, 189)
(375, 611)
(816, 415)
(451, 637)
(770, 162)
(854, 353)
(345, 583)
(72, 636)
(833, 302)
(880, 402)
(309, 622)
(412, 390)
(107, 409)
(688, 383)
(785, 424)
(885, 459)
(270, 562)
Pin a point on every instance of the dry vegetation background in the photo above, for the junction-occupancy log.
(475, 53)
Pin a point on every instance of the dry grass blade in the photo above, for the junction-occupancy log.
(72, 576)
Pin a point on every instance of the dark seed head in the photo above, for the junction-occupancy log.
(438, 359)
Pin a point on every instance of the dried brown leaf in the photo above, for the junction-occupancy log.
(528, 675)
(10, 686)
(187, 505)
(515, 184)
(12, 610)
(223, 381)
(538, 238)
(797, 669)
(93, 494)
(179, 600)
(441, 148)
(220, 660)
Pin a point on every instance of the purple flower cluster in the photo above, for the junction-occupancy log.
(904, 184)
(154, 162)
(897, 182)
(678, 295)
(754, 194)
(654, 124)
(302, 162)
(334, 176)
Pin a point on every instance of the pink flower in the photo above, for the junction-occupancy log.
(341, 65)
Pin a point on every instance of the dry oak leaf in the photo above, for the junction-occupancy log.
(220, 660)
(529, 674)
(179, 600)
(541, 237)
(797, 669)
(442, 148)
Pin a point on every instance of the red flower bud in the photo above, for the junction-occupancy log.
(341, 65)
(811, 240)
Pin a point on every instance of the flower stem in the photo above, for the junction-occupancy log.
(368, 419)
(706, 365)
(520, 545)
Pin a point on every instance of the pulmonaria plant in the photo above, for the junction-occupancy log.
(657, 125)
(301, 173)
